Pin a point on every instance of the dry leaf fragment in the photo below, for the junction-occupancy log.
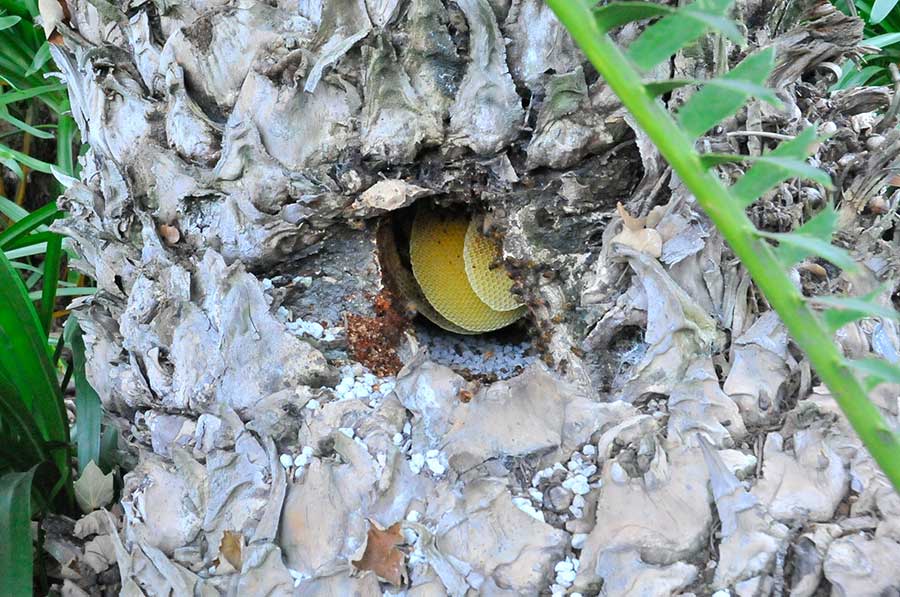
(232, 547)
(813, 268)
(53, 12)
(381, 555)
(170, 234)
(93, 489)
(636, 236)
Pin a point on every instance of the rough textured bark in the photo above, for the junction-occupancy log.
(241, 158)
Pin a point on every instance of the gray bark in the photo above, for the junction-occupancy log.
(229, 204)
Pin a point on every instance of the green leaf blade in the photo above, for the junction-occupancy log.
(662, 39)
(721, 98)
(880, 10)
(33, 221)
(614, 15)
(841, 310)
(16, 557)
(791, 245)
(767, 174)
(26, 363)
(87, 402)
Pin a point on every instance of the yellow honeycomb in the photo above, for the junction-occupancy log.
(436, 249)
(407, 285)
(491, 285)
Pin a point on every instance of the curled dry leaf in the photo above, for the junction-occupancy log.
(381, 555)
(170, 234)
(232, 548)
(636, 236)
(93, 489)
(53, 12)
(813, 268)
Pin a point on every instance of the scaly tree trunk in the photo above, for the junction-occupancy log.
(241, 156)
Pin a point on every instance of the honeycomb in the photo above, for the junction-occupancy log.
(491, 285)
(406, 284)
(437, 248)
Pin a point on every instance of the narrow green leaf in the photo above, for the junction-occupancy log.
(658, 88)
(748, 89)
(810, 245)
(853, 76)
(879, 371)
(8, 153)
(820, 226)
(87, 402)
(882, 41)
(28, 251)
(843, 310)
(13, 166)
(722, 97)
(109, 449)
(65, 136)
(791, 167)
(22, 125)
(38, 218)
(617, 14)
(880, 10)
(662, 39)
(23, 94)
(766, 174)
(68, 291)
(30, 240)
(26, 361)
(16, 556)
(41, 57)
(12, 210)
(49, 288)
(7, 22)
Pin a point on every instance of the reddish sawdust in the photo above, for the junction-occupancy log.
(374, 340)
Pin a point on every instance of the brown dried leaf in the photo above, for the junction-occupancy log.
(382, 556)
(53, 12)
(232, 548)
(170, 234)
(634, 235)
(628, 220)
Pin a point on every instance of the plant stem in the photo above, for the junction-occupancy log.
(737, 229)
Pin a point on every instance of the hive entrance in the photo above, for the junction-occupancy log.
(451, 274)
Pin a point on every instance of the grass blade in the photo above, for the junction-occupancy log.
(26, 362)
(33, 221)
(880, 10)
(23, 94)
(11, 210)
(52, 260)
(8, 153)
(22, 125)
(16, 558)
(41, 57)
(87, 402)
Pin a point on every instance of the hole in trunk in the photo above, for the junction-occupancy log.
(452, 319)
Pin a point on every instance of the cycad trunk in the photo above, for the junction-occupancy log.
(241, 157)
